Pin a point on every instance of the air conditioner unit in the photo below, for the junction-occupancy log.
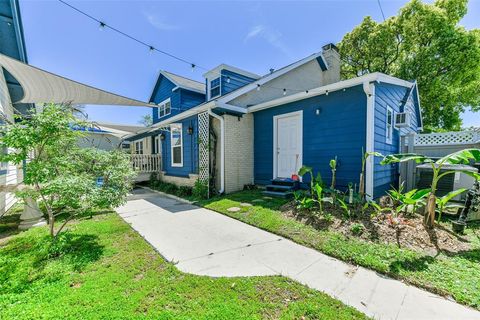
(402, 119)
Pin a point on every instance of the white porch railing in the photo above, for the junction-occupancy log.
(146, 163)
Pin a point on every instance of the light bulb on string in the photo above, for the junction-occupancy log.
(284, 92)
(102, 25)
(193, 67)
(258, 87)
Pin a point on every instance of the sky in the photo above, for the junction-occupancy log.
(252, 35)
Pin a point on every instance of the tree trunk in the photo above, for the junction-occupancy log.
(51, 221)
(429, 218)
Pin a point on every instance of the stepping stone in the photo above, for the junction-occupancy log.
(269, 198)
(258, 200)
(245, 204)
(234, 209)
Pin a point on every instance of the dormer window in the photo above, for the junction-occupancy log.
(164, 108)
(215, 88)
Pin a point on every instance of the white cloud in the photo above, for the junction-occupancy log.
(270, 35)
(159, 23)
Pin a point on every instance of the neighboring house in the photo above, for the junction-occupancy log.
(12, 44)
(108, 136)
(267, 127)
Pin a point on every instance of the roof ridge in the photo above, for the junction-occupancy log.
(177, 75)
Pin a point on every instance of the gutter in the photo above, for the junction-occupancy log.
(222, 150)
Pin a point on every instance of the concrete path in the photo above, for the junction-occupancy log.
(204, 242)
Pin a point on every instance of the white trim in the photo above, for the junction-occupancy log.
(389, 138)
(217, 70)
(157, 145)
(369, 89)
(180, 126)
(371, 77)
(166, 75)
(162, 105)
(275, 139)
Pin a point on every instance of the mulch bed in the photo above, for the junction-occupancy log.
(409, 232)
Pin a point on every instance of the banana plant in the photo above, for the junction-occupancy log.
(333, 166)
(347, 212)
(459, 157)
(442, 202)
(320, 198)
(410, 198)
(313, 180)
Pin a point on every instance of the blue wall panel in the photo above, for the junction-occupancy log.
(392, 96)
(180, 99)
(234, 82)
(190, 150)
(339, 130)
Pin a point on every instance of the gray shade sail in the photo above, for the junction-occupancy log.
(41, 86)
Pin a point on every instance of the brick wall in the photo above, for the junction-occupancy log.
(238, 152)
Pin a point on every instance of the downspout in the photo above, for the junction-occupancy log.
(369, 89)
(222, 149)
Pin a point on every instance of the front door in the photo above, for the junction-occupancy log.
(288, 149)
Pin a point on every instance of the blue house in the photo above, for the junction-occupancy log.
(240, 128)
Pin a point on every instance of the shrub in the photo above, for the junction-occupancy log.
(357, 228)
(200, 190)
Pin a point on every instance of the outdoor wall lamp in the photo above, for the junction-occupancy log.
(162, 136)
(190, 130)
(318, 111)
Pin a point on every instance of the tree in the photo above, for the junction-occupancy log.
(425, 43)
(66, 179)
(146, 120)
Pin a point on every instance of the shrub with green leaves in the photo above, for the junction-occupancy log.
(66, 179)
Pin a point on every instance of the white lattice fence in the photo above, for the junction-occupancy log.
(447, 138)
(203, 150)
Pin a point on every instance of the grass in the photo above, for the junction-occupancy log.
(456, 275)
(102, 269)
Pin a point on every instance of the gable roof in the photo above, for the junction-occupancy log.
(184, 83)
(269, 77)
(217, 70)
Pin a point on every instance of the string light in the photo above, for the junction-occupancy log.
(103, 25)
(326, 92)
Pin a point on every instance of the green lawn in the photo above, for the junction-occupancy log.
(102, 269)
(454, 275)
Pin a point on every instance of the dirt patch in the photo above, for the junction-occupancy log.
(403, 231)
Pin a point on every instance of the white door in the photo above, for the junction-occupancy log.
(288, 148)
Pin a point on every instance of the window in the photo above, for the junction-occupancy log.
(139, 147)
(389, 125)
(214, 88)
(176, 144)
(164, 108)
(157, 145)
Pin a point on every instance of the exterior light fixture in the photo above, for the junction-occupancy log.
(190, 130)
(318, 111)
(228, 79)
(162, 136)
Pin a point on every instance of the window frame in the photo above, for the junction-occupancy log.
(219, 86)
(389, 133)
(156, 145)
(162, 106)
(137, 144)
(179, 127)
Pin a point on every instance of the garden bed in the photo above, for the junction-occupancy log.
(410, 233)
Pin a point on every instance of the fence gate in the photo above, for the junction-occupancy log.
(203, 150)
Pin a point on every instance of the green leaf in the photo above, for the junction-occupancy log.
(449, 196)
(402, 157)
(304, 170)
(461, 157)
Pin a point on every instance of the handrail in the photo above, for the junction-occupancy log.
(145, 163)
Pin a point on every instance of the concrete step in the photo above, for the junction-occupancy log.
(279, 187)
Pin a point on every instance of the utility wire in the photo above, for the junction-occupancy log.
(381, 9)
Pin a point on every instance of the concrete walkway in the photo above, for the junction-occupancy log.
(203, 242)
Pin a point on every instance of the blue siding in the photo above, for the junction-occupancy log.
(180, 99)
(190, 150)
(392, 96)
(339, 130)
(236, 81)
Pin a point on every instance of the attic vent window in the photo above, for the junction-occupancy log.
(215, 88)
